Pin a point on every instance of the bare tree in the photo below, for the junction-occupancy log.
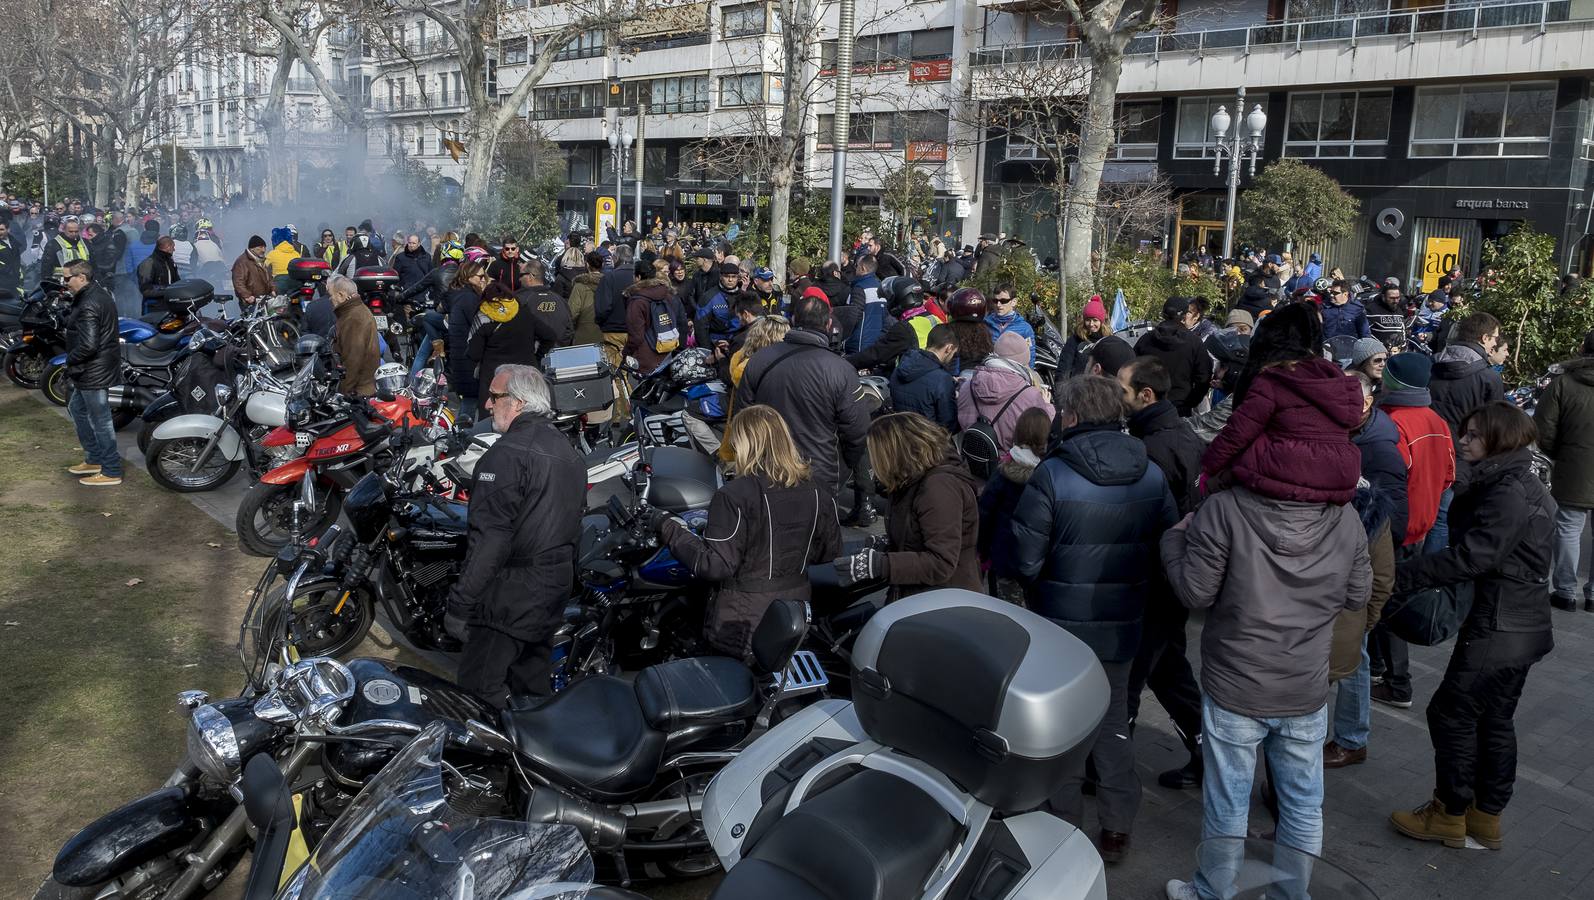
(1130, 208)
(22, 112)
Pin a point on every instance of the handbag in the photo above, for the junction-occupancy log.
(1429, 616)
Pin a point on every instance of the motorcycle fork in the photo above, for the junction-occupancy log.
(227, 835)
(215, 438)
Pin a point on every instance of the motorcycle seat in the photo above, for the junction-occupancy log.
(11, 309)
(147, 355)
(591, 737)
(695, 691)
(162, 342)
(872, 836)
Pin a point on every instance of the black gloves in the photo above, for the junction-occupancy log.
(652, 517)
(455, 625)
(865, 565)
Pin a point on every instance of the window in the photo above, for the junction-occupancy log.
(921, 126)
(933, 44)
(420, 142)
(1192, 136)
(585, 45)
(1484, 120)
(389, 135)
(512, 52)
(1337, 124)
(583, 168)
(568, 101)
(869, 131)
(742, 90)
(743, 20)
(1588, 137)
(687, 93)
(1138, 130)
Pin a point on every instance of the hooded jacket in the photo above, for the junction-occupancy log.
(1188, 363)
(997, 502)
(1502, 532)
(1565, 418)
(989, 387)
(1275, 574)
(279, 256)
(1349, 319)
(870, 308)
(1290, 437)
(1462, 382)
(933, 526)
(583, 312)
(1429, 454)
(1256, 300)
(922, 385)
(1174, 447)
(1000, 325)
(639, 299)
(1085, 533)
(815, 391)
(460, 310)
(1378, 441)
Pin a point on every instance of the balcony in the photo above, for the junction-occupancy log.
(1431, 42)
(415, 103)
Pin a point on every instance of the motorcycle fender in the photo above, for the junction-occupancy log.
(290, 472)
(199, 425)
(58, 360)
(160, 408)
(150, 826)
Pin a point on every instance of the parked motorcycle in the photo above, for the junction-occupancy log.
(201, 452)
(40, 335)
(379, 288)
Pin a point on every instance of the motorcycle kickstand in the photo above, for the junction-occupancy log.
(624, 870)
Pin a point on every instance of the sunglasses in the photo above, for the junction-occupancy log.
(1003, 299)
(495, 396)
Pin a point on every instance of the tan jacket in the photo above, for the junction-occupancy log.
(250, 278)
(357, 348)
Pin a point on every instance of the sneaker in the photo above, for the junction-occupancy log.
(82, 469)
(101, 480)
(1384, 694)
(1180, 890)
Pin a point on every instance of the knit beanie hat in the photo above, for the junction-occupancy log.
(1239, 317)
(1364, 349)
(1408, 370)
(256, 240)
(1013, 347)
(1111, 353)
(1095, 309)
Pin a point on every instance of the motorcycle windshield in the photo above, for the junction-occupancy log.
(400, 839)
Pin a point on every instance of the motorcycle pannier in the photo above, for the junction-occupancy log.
(579, 379)
(996, 697)
(183, 297)
(305, 270)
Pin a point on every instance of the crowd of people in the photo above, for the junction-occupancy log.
(1236, 461)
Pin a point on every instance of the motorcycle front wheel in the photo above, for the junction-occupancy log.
(323, 622)
(265, 517)
(25, 367)
(56, 385)
(170, 462)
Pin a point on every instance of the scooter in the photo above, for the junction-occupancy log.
(968, 714)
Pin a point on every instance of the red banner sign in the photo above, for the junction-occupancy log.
(931, 70)
(926, 151)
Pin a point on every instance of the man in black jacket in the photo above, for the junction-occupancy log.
(609, 300)
(1161, 662)
(94, 363)
(1462, 381)
(554, 325)
(525, 519)
(156, 272)
(1175, 343)
(814, 390)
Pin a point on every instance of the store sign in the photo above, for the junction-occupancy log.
(1495, 203)
(605, 217)
(930, 70)
(926, 151)
(1438, 257)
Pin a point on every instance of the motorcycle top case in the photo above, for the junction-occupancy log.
(579, 379)
(994, 696)
(370, 280)
(305, 270)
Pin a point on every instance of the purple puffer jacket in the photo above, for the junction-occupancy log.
(988, 389)
(1290, 438)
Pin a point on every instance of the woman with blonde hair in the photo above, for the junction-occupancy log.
(764, 528)
(934, 519)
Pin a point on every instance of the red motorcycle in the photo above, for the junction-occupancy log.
(304, 494)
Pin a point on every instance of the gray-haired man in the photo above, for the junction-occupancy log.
(525, 520)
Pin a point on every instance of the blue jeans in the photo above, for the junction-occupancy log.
(1439, 536)
(91, 414)
(429, 327)
(1569, 524)
(1353, 706)
(1294, 748)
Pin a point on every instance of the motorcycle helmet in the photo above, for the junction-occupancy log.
(390, 379)
(203, 225)
(692, 366)
(179, 232)
(1323, 285)
(1231, 350)
(474, 254)
(966, 305)
(902, 294)
(454, 251)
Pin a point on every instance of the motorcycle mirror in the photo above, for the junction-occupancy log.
(270, 809)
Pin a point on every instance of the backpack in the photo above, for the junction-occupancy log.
(978, 445)
(662, 332)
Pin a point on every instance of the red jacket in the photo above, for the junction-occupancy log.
(1290, 438)
(1430, 465)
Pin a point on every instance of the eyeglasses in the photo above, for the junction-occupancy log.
(495, 396)
(1002, 299)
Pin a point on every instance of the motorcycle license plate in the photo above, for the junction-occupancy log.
(381, 323)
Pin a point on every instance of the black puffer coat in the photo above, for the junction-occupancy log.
(525, 519)
(1502, 534)
(815, 391)
(93, 347)
(1086, 532)
(1188, 364)
(758, 544)
(1462, 382)
(1565, 416)
(461, 309)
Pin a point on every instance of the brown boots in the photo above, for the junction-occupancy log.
(1430, 822)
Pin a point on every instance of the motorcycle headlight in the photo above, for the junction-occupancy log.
(212, 745)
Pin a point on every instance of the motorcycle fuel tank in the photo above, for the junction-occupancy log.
(386, 690)
(267, 408)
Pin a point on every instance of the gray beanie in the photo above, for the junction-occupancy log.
(1364, 349)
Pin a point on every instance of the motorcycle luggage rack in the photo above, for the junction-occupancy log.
(803, 674)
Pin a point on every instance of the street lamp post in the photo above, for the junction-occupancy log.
(619, 142)
(1236, 149)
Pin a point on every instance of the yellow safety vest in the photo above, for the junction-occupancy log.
(70, 252)
(921, 325)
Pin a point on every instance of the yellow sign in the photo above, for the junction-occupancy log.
(1440, 256)
(604, 219)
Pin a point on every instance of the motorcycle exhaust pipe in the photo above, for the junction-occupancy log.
(603, 829)
(124, 397)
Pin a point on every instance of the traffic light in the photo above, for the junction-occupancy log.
(614, 94)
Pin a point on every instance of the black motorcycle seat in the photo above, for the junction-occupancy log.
(162, 342)
(147, 357)
(591, 738)
(188, 289)
(872, 836)
(695, 691)
(11, 309)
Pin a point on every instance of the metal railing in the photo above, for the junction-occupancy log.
(417, 102)
(1408, 23)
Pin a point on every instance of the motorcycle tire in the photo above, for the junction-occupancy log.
(123, 417)
(275, 503)
(165, 460)
(146, 434)
(26, 367)
(56, 385)
(322, 632)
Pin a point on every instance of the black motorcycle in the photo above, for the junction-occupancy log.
(39, 337)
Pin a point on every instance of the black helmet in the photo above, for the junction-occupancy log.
(901, 294)
(966, 305)
(1323, 285)
(1231, 350)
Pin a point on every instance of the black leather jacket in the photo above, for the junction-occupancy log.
(93, 351)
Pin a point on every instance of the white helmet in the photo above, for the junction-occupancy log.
(390, 379)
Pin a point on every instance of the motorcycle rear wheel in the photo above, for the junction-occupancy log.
(321, 632)
(169, 461)
(266, 514)
(25, 367)
(56, 385)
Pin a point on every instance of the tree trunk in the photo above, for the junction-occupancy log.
(479, 161)
(780, 183)
(1095, 140)
(1062, 275)
(278, 188)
